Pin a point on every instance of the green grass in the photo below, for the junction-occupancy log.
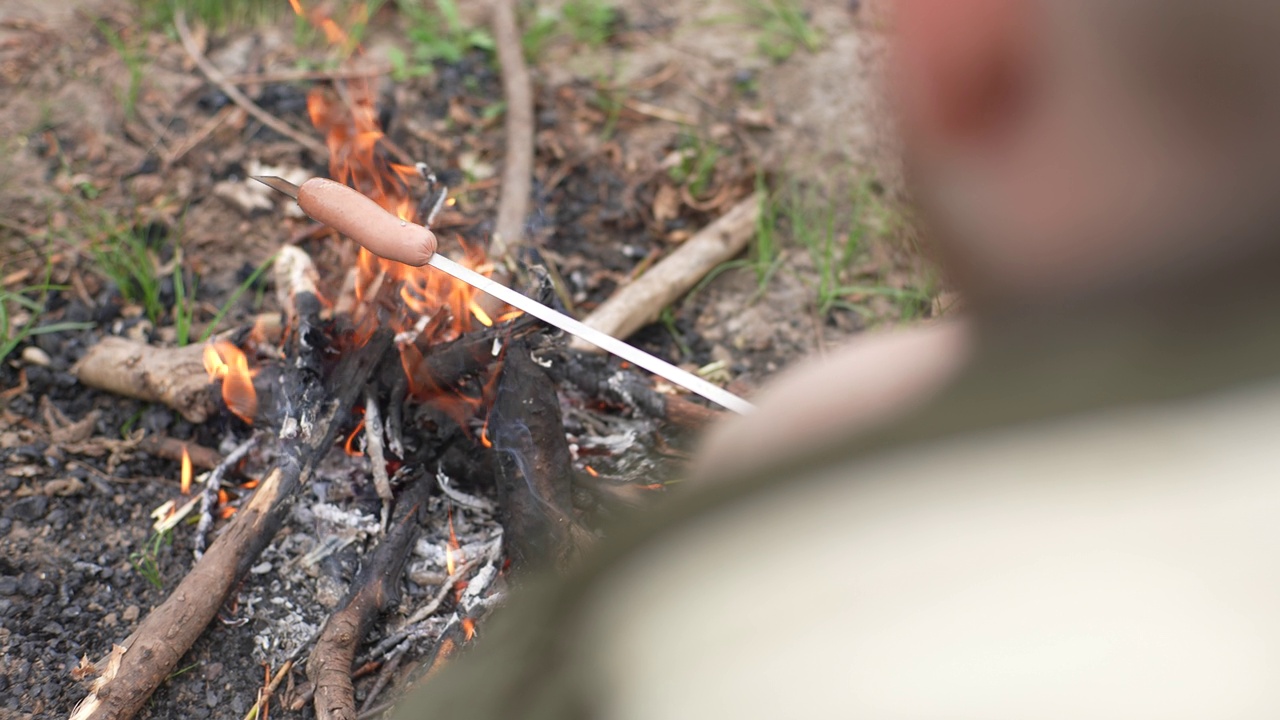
(590, 22)
(216, 14)
(131, 54)
(784, 28)
(235, 295)
(20, 313)
(125, 256)
(835, 235)
(697, 166)
(436, 33)
(146, 562)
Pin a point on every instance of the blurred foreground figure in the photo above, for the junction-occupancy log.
(1070, 509)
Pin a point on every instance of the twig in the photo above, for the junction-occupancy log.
(266, 693)
(193, 140)
(231, 91)
(641, 301)
(210, 491)
(170, 448)
(384, 676)
(377, 457)
(517, 171)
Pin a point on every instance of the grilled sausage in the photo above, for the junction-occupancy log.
(364, 221)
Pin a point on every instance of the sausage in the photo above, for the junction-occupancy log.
(364, 221)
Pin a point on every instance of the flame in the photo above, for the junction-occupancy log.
(360, 156)
(224, 361)
(591, 471)
(350, 446)
(469, 628)
(225, 509)
(186, 471)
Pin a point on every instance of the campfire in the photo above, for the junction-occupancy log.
(458, 441)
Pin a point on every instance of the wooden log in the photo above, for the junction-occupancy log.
(642, 300)
(173, 376)
(168, 631)
(374, 589)
(533, 464)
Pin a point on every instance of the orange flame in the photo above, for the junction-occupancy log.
(224, 361)
(186, 471)
(469, 628)
(360, 156)
(350, 446)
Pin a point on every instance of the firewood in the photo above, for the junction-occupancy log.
(168, 631)
(173, 376)
(374, 589)
(642, 300)
(534, 466)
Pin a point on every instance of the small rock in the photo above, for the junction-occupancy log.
(131, 613)
(33, 355)
(28, 509)
(261, 568)
(111, 620)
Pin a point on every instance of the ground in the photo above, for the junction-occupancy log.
(124, 211)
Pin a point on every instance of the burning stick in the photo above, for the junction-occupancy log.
(378, 460)
(210, 491)
(372, 590)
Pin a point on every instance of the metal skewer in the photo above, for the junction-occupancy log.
(630, 353)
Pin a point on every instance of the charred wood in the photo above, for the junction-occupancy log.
(533, 466)
(603, 377)
(374, 588)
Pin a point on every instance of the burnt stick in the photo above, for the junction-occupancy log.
(374, 589)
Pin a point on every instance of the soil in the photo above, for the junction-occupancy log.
(90, 136)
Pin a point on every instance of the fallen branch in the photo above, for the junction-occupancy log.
(173, 376)
(231, 91)
(641, 302)
(170, 448)
(169, 630)
(517, 170)
(373, 589)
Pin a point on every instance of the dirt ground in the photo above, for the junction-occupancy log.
(108, 130)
